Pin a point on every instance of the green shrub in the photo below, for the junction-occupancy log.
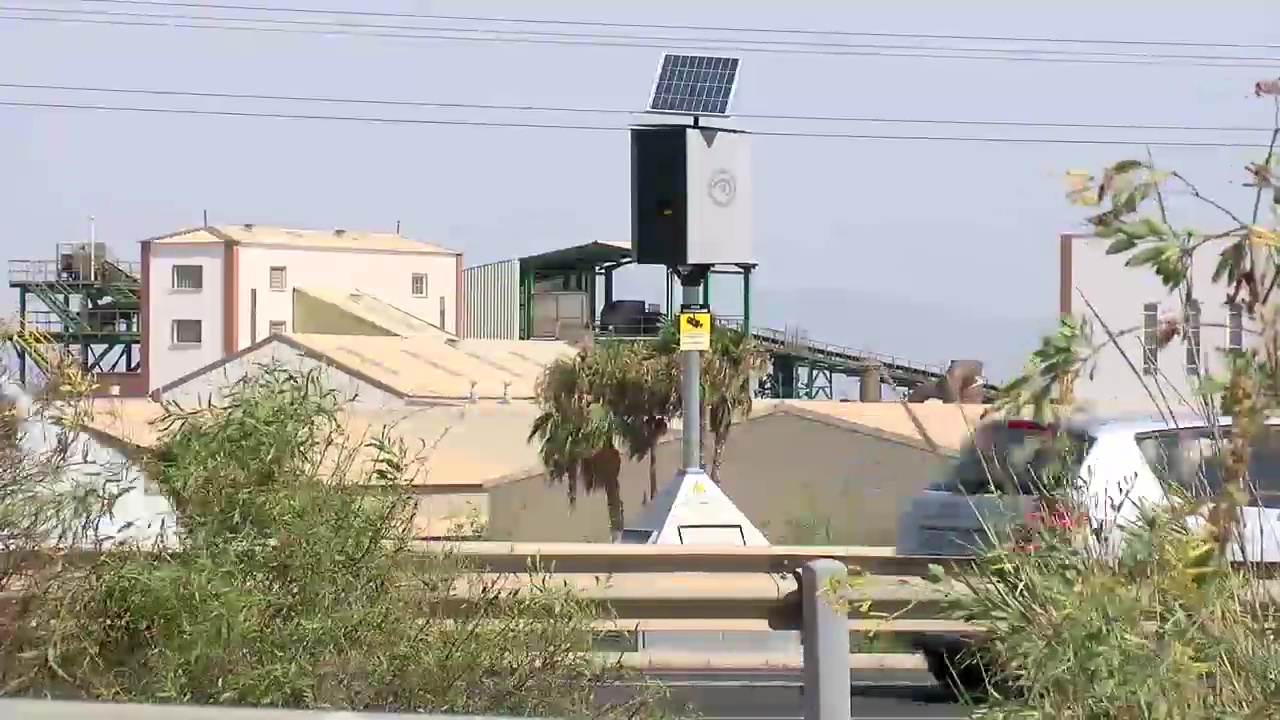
(1162, 629)
(295, 585)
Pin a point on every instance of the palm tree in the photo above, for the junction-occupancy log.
(621, 395)
(726, 382)
(578, 431)
(642, 386)
(726, 386)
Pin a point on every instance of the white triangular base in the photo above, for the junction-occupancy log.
(692, 510)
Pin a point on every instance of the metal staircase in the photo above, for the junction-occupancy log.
(83, 305)
(36, 344)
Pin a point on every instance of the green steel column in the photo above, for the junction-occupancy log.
(22, 320)
(526, 305)
(784, 377)
(746, 301)
(608, 285)
(706, 290)
(666, 300)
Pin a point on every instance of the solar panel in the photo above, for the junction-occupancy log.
(694, 85)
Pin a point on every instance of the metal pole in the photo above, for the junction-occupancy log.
(826, 643)
(691, 383)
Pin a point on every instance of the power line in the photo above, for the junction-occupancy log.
(329, 100)
(313, 27)
(765, 45)
(694, 28)
(615, 128)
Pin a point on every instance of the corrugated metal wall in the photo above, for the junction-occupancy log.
(491, 301)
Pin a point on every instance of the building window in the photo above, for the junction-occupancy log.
(1150, 338)
(1193, 338)
(419, 284)
(1235, 327)
(278, 278)
(186, 332)
(276, 327)
(188, 277)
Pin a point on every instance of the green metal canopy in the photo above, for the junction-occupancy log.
(579, 258)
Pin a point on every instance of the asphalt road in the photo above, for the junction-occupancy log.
(775, 695)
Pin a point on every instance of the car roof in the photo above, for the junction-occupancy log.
(1139, 423)
(1149, 422)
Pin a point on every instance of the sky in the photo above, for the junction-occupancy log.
(929, 249)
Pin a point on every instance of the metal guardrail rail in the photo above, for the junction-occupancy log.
(709, 588)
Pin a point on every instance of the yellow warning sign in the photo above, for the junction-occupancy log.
(695, 331)
(697, 488)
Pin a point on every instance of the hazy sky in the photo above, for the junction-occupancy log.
(925, 249)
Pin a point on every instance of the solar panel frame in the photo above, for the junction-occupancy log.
(709, 105)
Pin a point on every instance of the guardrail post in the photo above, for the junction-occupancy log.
(825, 633)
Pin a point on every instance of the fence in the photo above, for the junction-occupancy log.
(680, 588)
(656, 587)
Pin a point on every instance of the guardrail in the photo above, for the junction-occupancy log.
(671, 588)
(663, 587)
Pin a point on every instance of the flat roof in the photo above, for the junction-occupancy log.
(587, 256)
(338, 239)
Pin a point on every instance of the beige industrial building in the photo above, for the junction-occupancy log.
(1133, 304)
(804, 472)
(381, 317)
(212, 291)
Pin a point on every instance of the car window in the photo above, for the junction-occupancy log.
(1191, 459)
(1025, 459)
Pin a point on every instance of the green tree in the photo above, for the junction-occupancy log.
(296, 584)
(643, 388)
(620, 395)
(727, 374)
(727, 371)
(579, 430)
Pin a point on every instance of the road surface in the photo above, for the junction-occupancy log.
(725, 695)
(776, 695)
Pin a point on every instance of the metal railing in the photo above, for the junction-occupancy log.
(844, 353)
(649, 588)
(797, 343)
(50, 271)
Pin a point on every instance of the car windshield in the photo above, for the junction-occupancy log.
(1191, 459)
(1024, 459)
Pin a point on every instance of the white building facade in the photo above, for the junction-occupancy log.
(210, 292)
(1133, 304)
